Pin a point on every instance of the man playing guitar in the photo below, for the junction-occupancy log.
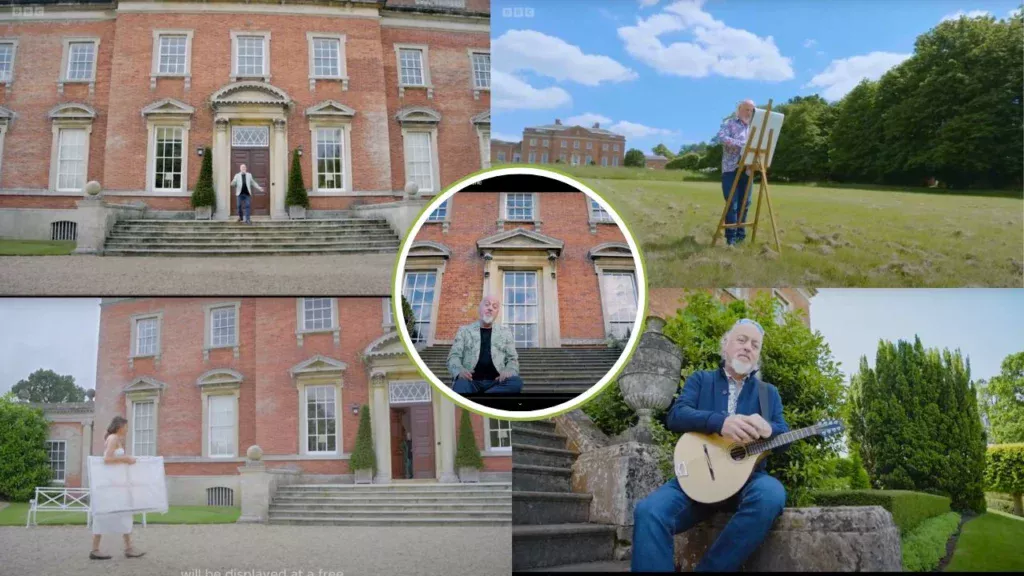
(726, 402)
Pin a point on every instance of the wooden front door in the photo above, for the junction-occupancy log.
(397, 437)
(422, 418)
(257, 162)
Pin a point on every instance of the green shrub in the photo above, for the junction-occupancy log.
(363, 457)
(23, 461)
(925, 546)
(409, 317)
(908, 509)
(688, 161)
(635, 158)
(1004, 472)
(467, 455)
(202, 194)
(297, 195)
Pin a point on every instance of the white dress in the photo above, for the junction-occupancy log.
(117, 523)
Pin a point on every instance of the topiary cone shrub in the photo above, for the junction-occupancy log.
(203, 194)
(363, 457)
(297, 195)
(467, 456)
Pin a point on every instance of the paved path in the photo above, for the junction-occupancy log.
(212, 549)
(327, 275)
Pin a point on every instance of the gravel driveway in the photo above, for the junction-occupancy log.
(248, 549)
(326, 275)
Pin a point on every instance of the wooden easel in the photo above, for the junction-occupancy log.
(761, 152)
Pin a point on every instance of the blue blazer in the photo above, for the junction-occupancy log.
(703, 404)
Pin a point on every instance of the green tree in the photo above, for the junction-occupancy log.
(802, 150)
(1006, 410)
(921, 426)
(688, 161)
(635, 158)
(363, 456)
(663, 150)
(1004, 472)
(297, 195)
(202, 194)
(700, 148)
(794, 359)
(467, 455)
(854, 144)
(48, 386)
(409, 316)
(712, 158)
(24, 464)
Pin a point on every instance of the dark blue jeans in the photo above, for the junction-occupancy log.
(668, 511)
(244, 201)
(510, 385)
(734, 235)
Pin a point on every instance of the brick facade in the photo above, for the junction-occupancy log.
(567, 249)
(121, 147)
(664, 302)
(561, 144)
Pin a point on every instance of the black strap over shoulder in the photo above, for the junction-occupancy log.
(766, 404)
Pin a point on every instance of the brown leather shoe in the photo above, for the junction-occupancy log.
(95, 555)
(133, 553)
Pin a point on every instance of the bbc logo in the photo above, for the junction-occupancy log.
(517, 12)
(27, 11)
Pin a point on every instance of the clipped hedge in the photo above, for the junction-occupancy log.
(908, 509)
(925, 546)
(1004, 472)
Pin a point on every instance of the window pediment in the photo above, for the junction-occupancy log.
(220, 378)
(318, 365)
(427, 248)
(168, 107)
(482, 118)
(72, 111)
(610, 250)
(145, 384)
(386, 345)
(329, 109)
(418, 115)
(520, 239)
(249, 93)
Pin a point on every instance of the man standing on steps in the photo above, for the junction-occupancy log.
(483, 357)
(243, 183)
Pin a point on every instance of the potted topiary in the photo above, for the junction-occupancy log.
(203, 198)
(467, 456)
(297, 199)
(409, 316)
(364, 461)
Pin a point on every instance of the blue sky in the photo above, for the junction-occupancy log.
(670, 70)
(984, 323)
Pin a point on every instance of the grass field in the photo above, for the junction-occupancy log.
(16, 513)
(829, 236)
(990, 543)
(9, 247)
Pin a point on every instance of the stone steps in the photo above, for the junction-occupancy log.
(545, 545)
(233, 237)
(542, 456)
(397, 499)
(395, 521)
(550, 507)
(401, 487)
(255, 243)
(541, 478)
(541, 438)
(587, 567)
(538, 425)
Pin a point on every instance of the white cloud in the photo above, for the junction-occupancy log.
(972, 14)
(820, 52)
(714, 49)
(506, 137)
(550, 56)
(648, 3)
(511, 93)
(843, 75)
(587, 119)
(632, 130)
(810, 42)
(1014, 12)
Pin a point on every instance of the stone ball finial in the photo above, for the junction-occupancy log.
(412, 189)
(93, 188)
(254, 453)
(90, 394)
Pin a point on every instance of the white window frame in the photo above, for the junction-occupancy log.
(152, 127)
(501, 155)
(438, 273)
(533, 157)
(604, 147)
(487, 435)
(615, 160)
(565, 144)
(435, 170)
(59, 132)
(516, 157)
(342, 75)
(425, 62)
(477, 89)
(63, 461)
(304, 422)
(533, 141)
(134, 424)
(300, 327)
(133, 345)
(66, 58)
(544, 158)
(503, 217)
(605, 297)
(777, 296)
(604, 160)
(346, 157)
(596, 209)
(208, 424)
(590, 145)
(155, 70)
(388, 313)
(545, 143)
(208, 327)
(575, 144)
(13, 43)
(539, 306)
(588, 160)
(235, 35)
(446, 219)
(615, 147)
(485, 147)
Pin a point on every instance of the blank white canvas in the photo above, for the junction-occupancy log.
(140, 487)
(774, 125)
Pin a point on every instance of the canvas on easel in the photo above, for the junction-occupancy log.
(762, 136)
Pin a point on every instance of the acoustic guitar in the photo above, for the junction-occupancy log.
(711, 468)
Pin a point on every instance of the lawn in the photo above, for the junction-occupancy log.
(10, 247)
(830, 236)
(16, 513)
(990, 543)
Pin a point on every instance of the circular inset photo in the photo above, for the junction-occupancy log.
(520, 292)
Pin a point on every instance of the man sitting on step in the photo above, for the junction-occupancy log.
(244, 183)
(724, 401)
(483, 357)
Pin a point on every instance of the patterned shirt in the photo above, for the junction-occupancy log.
(733, 137)
(735, 387)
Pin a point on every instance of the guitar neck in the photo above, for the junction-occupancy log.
(781, 439)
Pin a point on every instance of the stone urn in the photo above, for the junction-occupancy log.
(468, 474)
(651, 379)
(412, 190)
(364, 476)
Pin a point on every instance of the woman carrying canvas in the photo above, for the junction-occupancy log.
(121, 522)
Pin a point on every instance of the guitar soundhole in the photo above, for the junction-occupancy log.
(738, 453)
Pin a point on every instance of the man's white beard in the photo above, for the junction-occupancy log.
(740, 367)
(487, 318)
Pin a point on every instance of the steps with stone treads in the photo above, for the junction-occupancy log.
(262, 237)
(543, 370)
(397, 504)
(550, 522)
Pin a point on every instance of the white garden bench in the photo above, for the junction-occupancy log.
(56, 499)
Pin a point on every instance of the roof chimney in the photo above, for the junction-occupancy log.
(558, 121)
(597, 124)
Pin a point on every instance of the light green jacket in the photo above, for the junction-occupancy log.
(465, 352)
